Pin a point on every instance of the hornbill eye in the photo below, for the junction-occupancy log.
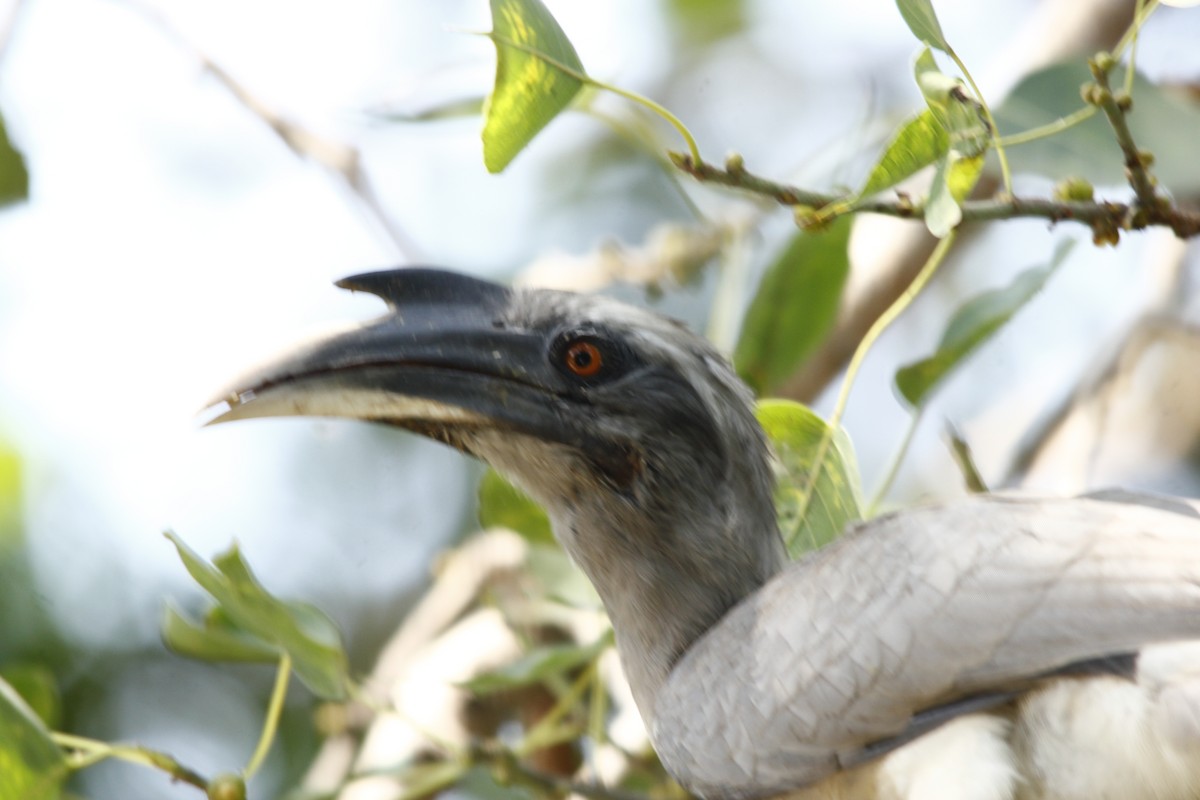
(584, 359)
(590, 357)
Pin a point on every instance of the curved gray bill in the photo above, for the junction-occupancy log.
(441, 355)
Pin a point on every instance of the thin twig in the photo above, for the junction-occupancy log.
(342, 159)
(271, 722)
(507, 768)
(94, 751)
(1136, 162)
(1101, 216)
(881, 324)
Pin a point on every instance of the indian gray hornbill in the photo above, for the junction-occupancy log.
(992, 648)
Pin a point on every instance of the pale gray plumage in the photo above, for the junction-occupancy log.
(756, 677)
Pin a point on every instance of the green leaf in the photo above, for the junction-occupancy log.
(32, 766)
(919, 142)
(37, 687)
(1161, 122)
(308, 636)
(502, 505)
(960, 115)
(795, 306)
(14, 177)
(955, 178)
(537, 665)
(972, 325)
(923, 22)
(538, 73)
(795, 433)
(215, 639)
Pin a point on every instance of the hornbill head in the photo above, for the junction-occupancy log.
(634, 433)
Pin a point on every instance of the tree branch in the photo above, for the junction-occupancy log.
(341, 159)
(1104, 218)
(507, 768)
(1115, 107)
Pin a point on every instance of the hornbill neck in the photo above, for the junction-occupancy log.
(666, 582)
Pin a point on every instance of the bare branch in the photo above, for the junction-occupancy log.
(1055, 30)
(342, 159)
(1104, 218)
(1115, 107)
(507, 768)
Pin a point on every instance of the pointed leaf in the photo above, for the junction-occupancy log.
(795, 433)
(923, 22)
(14, 177)
(214, 641)
(972, 325)
(795, 306)
(502, 505)
(308, 636)
(538, 73)
(918, 143)
(32, 766)
(953, 181)
(960, 114)
(537, 665)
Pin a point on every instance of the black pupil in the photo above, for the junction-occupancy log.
(582, 358)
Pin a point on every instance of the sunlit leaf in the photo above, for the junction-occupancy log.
(972, 325)
(14, 177)
(308, 636)
(967, 137)
(537, 665)
(1160, 122)
(959, 114)
(538, 73)
(953, 181)
(37, 687)
(919, 142)
(795, 306)
(795, 433)
(32, 767)
(923, 22)
(502, 505)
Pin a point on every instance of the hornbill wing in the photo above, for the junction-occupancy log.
(913, 619)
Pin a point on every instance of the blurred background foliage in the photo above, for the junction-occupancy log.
(181, 182)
